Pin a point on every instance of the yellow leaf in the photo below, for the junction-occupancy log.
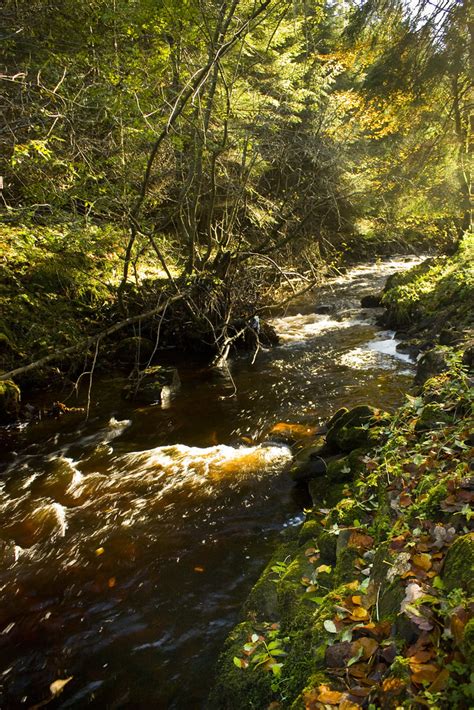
(359, 614)
(57, 686)
(422, 560)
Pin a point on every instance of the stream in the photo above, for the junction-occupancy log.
(129, 542)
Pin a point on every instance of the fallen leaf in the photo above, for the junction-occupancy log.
(58, 685)
(424, 673)
(199, 569)
(347, 704)
(310, 551)
(356, 600)
(100, 551)
(330, 626)
(328, 696)
(440, 682)
(360, 541)
(369, 646)
(359, 614)
(392, 685)
(423, 560)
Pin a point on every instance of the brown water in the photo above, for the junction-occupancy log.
(130, 541)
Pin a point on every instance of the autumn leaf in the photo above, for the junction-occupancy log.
(424, 673)
(368, 646)
(359, 614)
(328, 696)
(360, 541)
(422, 560)
(57, 686)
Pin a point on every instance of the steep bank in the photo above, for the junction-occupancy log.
(372, 603)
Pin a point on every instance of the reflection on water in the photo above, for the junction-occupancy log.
(129, 542)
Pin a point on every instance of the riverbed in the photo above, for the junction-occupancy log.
(130, 541)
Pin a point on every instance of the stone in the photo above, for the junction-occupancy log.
(431, 363)
(267, 335)
(153, 386)
(371, 300)
(307, 465)
(337, 415)
(432, 416)
(458, 570)
(10, 397)
(468, 358)
(351, 430)
(324, 309)
(468, 643)
(132, 350)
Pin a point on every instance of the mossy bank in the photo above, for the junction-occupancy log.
(371, 603)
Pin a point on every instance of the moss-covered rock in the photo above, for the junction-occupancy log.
(237, 687)
(351, 429)
(308, 464)
(458, 572)
(152, 384)
(9, 401)
(432, 416)
(468, 643)
(432, 363)
(134, 350)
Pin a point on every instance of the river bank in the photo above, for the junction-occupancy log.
(370, 602)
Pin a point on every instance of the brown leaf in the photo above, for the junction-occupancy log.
(338, 654)
(440, 682)
(369, 647)
(424, 673)
(360, 541)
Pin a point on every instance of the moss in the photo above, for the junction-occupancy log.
(262, 602)
(310, 531)
(324, 492)
(9, 400)
(458, 572)
(327, 547)
(344, 513)
(235, 687)
(336, 416)
(468, 643)
(345, 571)
(359, 427)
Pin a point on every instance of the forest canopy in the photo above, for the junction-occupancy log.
(240, 141)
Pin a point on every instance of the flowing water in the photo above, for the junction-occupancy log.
(129, 542)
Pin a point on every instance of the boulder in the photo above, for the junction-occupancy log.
(431, 363)
(458, 571)
(308, 465)
(132, 350)
(345, 469)
(351, 429)
(268, 336)
(468, 358)
(9, 401)
(324, 309)
(152, 386)
(371, 300)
